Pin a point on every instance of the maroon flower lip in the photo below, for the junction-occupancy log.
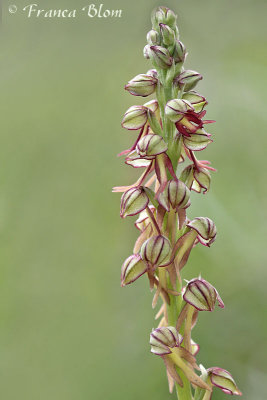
(196, 120)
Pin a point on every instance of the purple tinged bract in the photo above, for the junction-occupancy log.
(168, 35)
(160, 57)
(179, 53)
(188, 79)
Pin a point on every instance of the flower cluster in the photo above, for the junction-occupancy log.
(170, 130)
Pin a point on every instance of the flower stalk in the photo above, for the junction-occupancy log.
(171, 129)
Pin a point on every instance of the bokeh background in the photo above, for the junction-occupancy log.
(67, 329)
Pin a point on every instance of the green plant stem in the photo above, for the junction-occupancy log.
(187, 329)
(164, 94)
(185, 392)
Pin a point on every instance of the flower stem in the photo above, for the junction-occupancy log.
(187, 329)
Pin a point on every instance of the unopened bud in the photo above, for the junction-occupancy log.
(160, 57)
(153, 105)
(163, 15)
(176, 108)
(141, 85)
(153, 37)
(197, 141)
(168, 35)
(202, 295)
(163, 339)
(197, 100)
(196, 179)
(150, 146)
(135, 118)
(205, 228)
(176, 194)
(179, 53)
(156, 251)
(133, 202)
(132, 268)
(202, 180)
(187, 176)
(223, 379)
(188, 79)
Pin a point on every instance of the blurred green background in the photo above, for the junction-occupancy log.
(67, 329)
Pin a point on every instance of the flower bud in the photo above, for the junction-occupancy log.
(141, 85)
(176, 194)
(168, 35)
(188, 79)
(223, 379)
(163, 339)
(202, 180)
(202, 295)
(135, 118)
(176, 108)
(187, 176)
(163, 15)
(205, 228)
(196, 179)
(133, 202)
(179, 53)
(156, 251)
(153, 37)
(153, 105)
(160, 57)
(150, 146)
(197, 141)
(197, 101)
(132, 268)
